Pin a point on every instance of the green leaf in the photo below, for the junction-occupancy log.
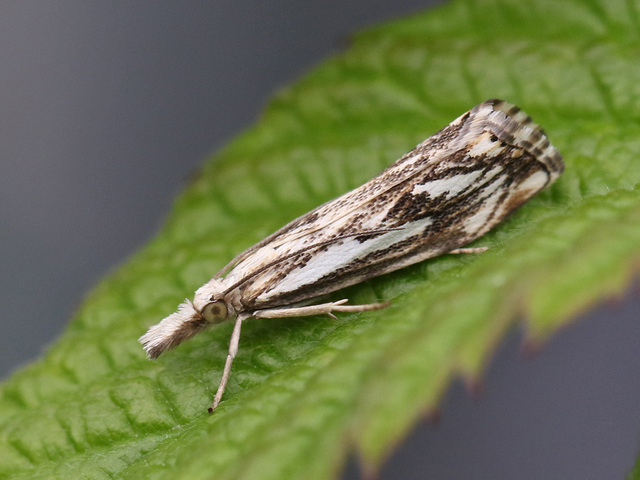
(306, 392)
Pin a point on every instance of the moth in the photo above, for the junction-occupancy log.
(451, 189)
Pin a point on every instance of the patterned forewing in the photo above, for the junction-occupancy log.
(448, 191)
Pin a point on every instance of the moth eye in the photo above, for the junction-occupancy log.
(215, 312)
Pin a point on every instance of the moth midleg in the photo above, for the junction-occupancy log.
(233, 351)
(469, 250)
(320, 309)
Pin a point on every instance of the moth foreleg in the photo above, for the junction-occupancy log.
(469, 250)
(233, 350)
(320, 309)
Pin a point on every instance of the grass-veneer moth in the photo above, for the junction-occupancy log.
(445, 193)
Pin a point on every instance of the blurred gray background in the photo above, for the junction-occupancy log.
(107, 107)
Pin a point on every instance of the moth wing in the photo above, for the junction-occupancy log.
(448, 191)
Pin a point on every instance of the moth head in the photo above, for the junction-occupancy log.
(210, 304)
(215, 311)
(190, 319)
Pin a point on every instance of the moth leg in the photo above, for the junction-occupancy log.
(321, 309)
(469, 250)
(233, 350)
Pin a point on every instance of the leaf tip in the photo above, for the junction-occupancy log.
(530, 348)
(474, 386)
(433, 416)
